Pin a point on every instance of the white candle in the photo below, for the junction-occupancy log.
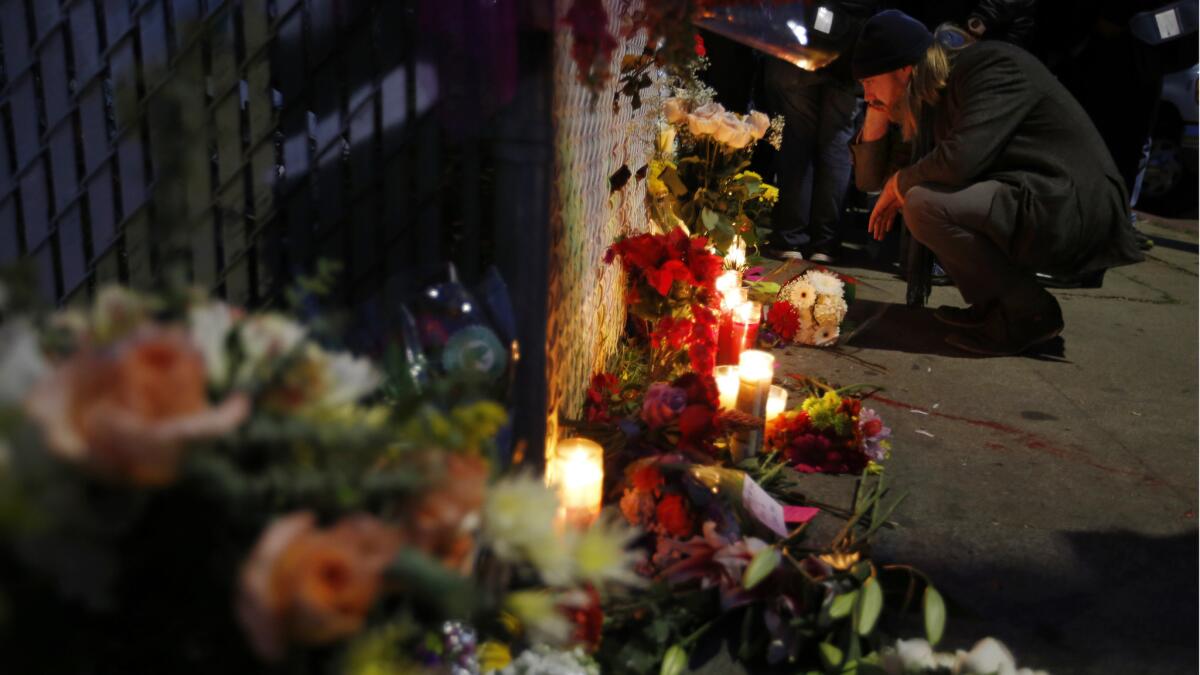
(755, 366)
(756, 369)
(735, 257)
(576, 472)
(727, 385)
(776, 401)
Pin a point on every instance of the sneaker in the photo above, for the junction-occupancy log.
(963, 317)
(821, 257)
(1006, 333)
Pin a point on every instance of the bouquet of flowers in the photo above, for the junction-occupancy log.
(196, 484)
(671, 288)
(810, 309)
(699, 176)
(829, 433)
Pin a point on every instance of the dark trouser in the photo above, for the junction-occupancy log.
(957, 226)
(814, 162)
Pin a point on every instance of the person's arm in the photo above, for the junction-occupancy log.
(993, 97)
(872, 152)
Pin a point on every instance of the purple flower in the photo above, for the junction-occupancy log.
(874, 435)
(662, 404)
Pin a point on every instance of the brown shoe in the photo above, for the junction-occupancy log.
(963, 317)
(1007, 333)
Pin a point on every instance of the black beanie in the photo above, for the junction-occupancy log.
(889, 40)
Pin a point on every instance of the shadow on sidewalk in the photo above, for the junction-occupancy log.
(895, 327)
(1129, 598)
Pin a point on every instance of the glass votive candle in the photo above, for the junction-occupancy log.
(727, 385)
(746, 319)
(576, 472)
(776, 401)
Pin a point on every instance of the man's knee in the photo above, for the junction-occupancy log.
(923, 212)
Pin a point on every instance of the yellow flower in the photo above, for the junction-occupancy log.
(518, 523)
(493, 656)
(770, 193)
(540, 617)
(602, 555)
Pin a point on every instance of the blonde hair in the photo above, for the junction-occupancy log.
(925, 87)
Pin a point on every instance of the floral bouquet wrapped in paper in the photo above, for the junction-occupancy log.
(810, 308)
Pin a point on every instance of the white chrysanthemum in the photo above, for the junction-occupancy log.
(826, 336)
(806, 334)
(824, 283)
(209, 325)
(21, 361)
(543, 660)
(800, 293)
(829, 310)
(602, 553)
(519, 518)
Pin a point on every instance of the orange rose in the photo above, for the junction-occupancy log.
(312, 586)
(128, 412)
(445, 517)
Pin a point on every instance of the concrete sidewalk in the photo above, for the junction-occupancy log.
(1053, 498)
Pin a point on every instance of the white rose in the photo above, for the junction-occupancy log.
(705, 120)
(989, 656)
(675, 110)
(759, 123)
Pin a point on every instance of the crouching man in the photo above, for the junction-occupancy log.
(1006, 176)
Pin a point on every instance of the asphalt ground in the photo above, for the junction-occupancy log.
(1051, 497)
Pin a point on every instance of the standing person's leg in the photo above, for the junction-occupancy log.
(793, 96)
(1011, 312)
(832, 168)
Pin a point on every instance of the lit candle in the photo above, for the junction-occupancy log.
(776, 401)
(746, 318)
(735, 257)
(727, 385)
(729, 342)
(756, 369)
(576, 472)
(728, 282)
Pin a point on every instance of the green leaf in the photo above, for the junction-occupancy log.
(709, 219)
(831, 657)
(842, 604)
(935, 615)
(674, 661)
(870, 604)
(671, 179)
(764, 563)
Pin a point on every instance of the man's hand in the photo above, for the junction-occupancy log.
(886, 207)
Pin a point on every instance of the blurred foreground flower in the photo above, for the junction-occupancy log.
(128, 412)
(309, 585)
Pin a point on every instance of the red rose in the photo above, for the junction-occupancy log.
(700, 50)
(673, 516)
(646, 478)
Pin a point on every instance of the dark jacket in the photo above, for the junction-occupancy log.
(1002, 116)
